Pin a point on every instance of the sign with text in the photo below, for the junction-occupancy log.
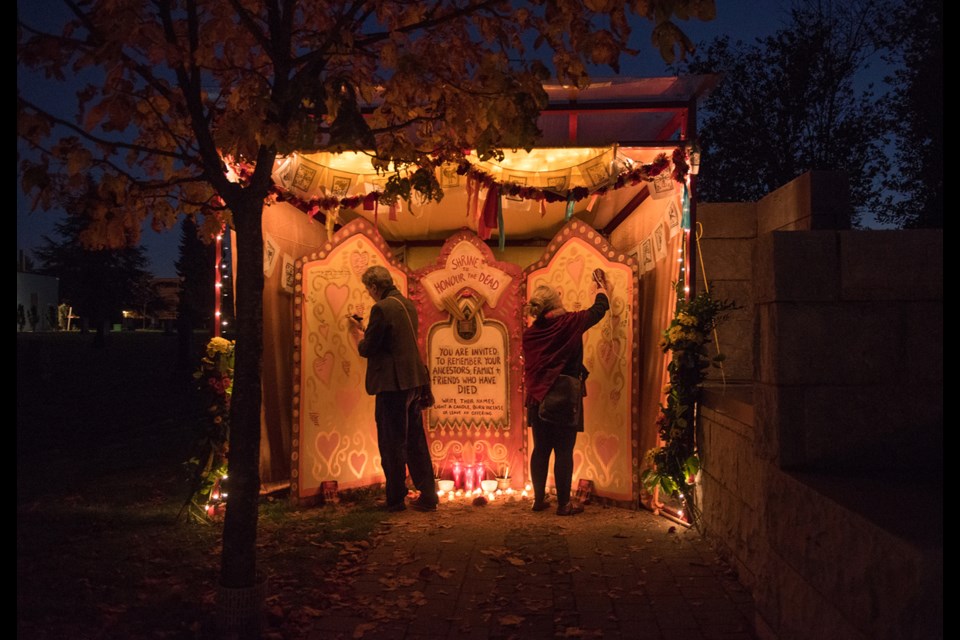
(465, 266)
(470, 378)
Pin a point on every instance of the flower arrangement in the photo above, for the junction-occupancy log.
(674, 466)
(209, 467)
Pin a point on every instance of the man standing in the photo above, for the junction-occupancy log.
(395, 373)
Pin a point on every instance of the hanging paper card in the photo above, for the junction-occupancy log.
(555, 181)
(597, 172)
(289, 274)
(518, 179)
(449, 178)
(647, 261)
(305, 176)
(270, 250)
(284, 170)
(661, 185)
(659, 242)
(673, 217)
(338, 184)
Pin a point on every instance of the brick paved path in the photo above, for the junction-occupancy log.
(502, 571)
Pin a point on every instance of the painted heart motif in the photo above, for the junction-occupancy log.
(575, 268)
(336, 297)
(323, 368)
(326, 444)
(609, 352)
(359, 261)
(358, 460)
(606, 446)
(345, 365)
(324, 328)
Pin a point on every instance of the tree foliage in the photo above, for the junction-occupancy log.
(195, 265)
(916, 107)
(181, 83)
(791, 103)
(98, 283)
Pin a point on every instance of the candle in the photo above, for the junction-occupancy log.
(456, 474)
(480, 473)
(468, 479)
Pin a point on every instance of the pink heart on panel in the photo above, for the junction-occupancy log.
(323, 367)
(326, 444)
(575, 268)
(606, 446)
(358, 460)
(359, 261)
(336, 297)
(609, 352)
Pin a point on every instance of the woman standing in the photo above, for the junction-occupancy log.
(552, 348)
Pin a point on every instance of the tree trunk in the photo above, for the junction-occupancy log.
(238, 568)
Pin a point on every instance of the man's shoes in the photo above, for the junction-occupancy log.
(569, 509)
(423, 505)
(392, 508)
(541, 505)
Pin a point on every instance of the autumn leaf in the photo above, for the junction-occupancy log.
(511, 620)
(362, 628)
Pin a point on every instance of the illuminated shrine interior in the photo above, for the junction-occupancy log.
(477, 433)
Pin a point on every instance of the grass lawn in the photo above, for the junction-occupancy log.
(101, 439)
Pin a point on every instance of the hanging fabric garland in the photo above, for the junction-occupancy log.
(570, 202)
(685, 217)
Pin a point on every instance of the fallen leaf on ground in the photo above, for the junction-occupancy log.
(511, 619)
(362, 628)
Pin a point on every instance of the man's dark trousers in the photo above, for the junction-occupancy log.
(402, 444)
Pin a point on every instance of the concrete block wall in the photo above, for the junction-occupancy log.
(726, 255)
(816, 567)
(849, 358)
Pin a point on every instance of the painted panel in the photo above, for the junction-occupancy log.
(607, 450)
(469, 305)
(334, 432)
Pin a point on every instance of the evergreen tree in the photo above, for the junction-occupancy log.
(97, 282)
(195, 268)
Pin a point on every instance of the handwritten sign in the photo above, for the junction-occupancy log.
(466, 266)
(470, 380)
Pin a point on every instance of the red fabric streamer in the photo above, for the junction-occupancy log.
(488, 218)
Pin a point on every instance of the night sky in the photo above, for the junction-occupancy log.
(740, 19)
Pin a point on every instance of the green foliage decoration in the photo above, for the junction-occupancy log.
(674, 466)
(208, 467)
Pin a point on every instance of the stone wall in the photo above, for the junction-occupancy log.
(726, 256)
(817, 567)
(850, 350)
(823, 472)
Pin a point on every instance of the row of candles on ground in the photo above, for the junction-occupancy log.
(470, 481)
(469, 476)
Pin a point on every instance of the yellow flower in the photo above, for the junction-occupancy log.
(686, 319)
(220, 345)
